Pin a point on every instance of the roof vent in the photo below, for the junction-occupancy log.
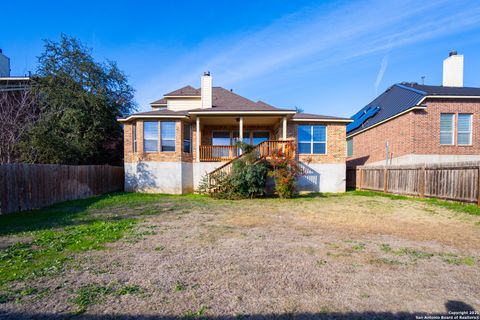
(452, 53)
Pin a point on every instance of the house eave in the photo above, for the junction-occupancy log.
(323, 120)
(197, 113)
(152, 117)
(182, 97)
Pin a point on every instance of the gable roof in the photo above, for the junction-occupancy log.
(187, 91)
(162, 102)
(227, 102)
(400, 98)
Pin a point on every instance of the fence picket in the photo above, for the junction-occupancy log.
(29, 186)
(453, 181)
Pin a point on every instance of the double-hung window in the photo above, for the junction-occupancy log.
(150, 136)
(187, 138)
(167, 136)
(312, 139)
(447, 127)
(350, 147)
(464, 129)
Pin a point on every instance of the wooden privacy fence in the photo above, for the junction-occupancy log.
(451, 181)
(30, 186)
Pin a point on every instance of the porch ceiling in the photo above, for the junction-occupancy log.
(233, 120)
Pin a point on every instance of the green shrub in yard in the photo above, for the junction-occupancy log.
(285, 171)
(247, 179)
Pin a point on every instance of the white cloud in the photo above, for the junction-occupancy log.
(315, 37)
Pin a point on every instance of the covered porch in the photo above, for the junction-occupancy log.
(216, 136)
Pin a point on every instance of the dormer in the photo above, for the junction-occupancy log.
(187, 98)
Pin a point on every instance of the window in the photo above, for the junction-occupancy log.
(312, 139)
(464, 129)
(187, 138)
(350, 147)
(446, 128)
(134, 137)
(150, 136)
(259, 136)
(220, 138)
(167, 136)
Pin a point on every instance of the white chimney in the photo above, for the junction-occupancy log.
(4, 65)
(453, 70)
(206, 88)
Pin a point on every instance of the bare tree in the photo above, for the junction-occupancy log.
(18, 111)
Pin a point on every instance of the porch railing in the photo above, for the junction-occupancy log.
(218, 153)
(227, 152)
(265, 150)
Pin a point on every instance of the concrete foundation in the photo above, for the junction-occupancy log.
(185, 177)
(321, 177)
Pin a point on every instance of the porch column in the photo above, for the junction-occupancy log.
(240, 134)
(284, 131)
(197, 138)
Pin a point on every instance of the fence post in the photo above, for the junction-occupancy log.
(385, 180)
(478, 187)
(422, 182)
(361, 178)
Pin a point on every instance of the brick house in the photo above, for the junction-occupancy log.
(191, 132)
(411, 123)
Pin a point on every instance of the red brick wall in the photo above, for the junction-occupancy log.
(369, 146)
(416, 132)
(140, 155)
(336, 143)
(427, 127)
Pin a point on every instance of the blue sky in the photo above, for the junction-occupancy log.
(326, 57)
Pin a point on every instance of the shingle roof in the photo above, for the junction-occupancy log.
(399, 98)
(226, 100)
(307, 116)
(185, 91)
(162, 101)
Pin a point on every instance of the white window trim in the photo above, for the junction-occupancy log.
(174, 139)
(470, 131)
(158, 138)
(453, 130)
(311, 141)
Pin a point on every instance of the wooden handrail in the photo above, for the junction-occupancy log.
(264, 150)
(218, 153)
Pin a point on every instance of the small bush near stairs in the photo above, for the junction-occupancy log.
(285, 171)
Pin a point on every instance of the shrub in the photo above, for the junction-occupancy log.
(285, 171)
(247, 178)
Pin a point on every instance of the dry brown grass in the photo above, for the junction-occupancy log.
(313, 256)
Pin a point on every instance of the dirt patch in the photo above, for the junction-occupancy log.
(333, 256)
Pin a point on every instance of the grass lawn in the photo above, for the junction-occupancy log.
(358, 254)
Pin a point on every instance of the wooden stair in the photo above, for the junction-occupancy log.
(264, 150)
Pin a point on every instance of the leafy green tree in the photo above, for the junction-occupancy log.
(80, 102)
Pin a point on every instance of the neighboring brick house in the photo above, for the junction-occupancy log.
(411, 123)
(191, 132)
